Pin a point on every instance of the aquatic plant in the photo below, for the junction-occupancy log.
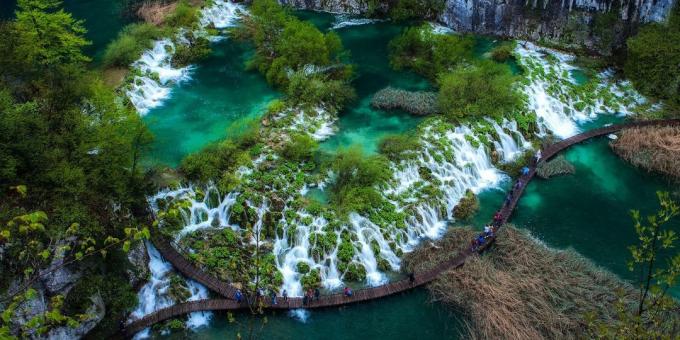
(419, 103)
(503, 52)
(555, 167)
(466, 207)
(521, 289)
(652, 148)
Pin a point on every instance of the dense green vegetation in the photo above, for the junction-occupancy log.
(69, 180)
(429, 54)
(483, 89)
(468, 89)
(653, 58)
(130, 43)
(357, 175)
(295, 56)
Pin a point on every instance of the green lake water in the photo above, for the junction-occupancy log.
(220, 100)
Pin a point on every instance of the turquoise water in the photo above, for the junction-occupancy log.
(219, 100)
(404, 316)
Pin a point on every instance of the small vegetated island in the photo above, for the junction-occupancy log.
(80, 198)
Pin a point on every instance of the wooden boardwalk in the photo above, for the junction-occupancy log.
(168, 251)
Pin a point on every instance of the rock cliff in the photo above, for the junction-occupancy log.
(593, 25)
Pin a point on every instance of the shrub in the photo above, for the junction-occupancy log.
(302, 267)
(357, 176)
(300, 148)
(198, 48)
(184, 15)
(209, 163)
(653, 59)
(502, 52)
(427, 53)
(398, 147)
(311, 280)
(467, 206)
(419, 103)
(130, 43)
(555, 167)
(417, 9)
(485, 89)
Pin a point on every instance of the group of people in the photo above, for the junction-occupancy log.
(489, 230)
(310, 295)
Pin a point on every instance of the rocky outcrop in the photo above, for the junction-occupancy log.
(95, 314)
(598, 26)
(138, 273)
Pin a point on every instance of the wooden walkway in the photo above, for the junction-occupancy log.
(169, 252)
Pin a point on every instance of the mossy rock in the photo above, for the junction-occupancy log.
(467, 207)
(302, 267)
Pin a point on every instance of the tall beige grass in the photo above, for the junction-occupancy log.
(652, 148)
(521, 289)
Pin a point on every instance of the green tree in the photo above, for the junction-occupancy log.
(427, 53)
(653, 58)
(484, 89)
(654, 314)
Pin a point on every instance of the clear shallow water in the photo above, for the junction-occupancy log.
(220, 100)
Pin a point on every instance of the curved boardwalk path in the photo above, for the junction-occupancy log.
(226, 290)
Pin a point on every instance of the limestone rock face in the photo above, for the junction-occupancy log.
(95, 312)
(139, 259)
(598, 26)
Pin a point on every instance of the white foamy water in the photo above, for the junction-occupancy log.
(342, 21)
(560, 105)
(158, 76)
(153, 295)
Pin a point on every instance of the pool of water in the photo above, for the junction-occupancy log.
(220, 100)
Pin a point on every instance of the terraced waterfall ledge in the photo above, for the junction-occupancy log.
(421, 278)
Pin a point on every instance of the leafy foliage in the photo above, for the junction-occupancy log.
(132, 40)
(655, 314)
(416, 9)
(653, 59)
(427, 53)
(484, 89)
(300, 148)
(286, 46)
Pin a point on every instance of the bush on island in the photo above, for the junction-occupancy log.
(467, 206)
(419, 103)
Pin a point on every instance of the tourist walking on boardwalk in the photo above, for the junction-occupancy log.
(238, 296)
(497, 217)
(273, 296)
(317, 294)
(348, 292)
(411, 278)
(285, 295)
(525, 171)
(537, 157)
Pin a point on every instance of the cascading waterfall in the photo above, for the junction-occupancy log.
(157, 75)
(553, 95)
(456, 158)
(153, 295)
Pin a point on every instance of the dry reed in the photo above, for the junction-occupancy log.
(521, 289)
(652, 148)
(155, 12)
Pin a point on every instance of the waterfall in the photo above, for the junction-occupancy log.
(153, 295)
(559, 103)
(157, 76)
